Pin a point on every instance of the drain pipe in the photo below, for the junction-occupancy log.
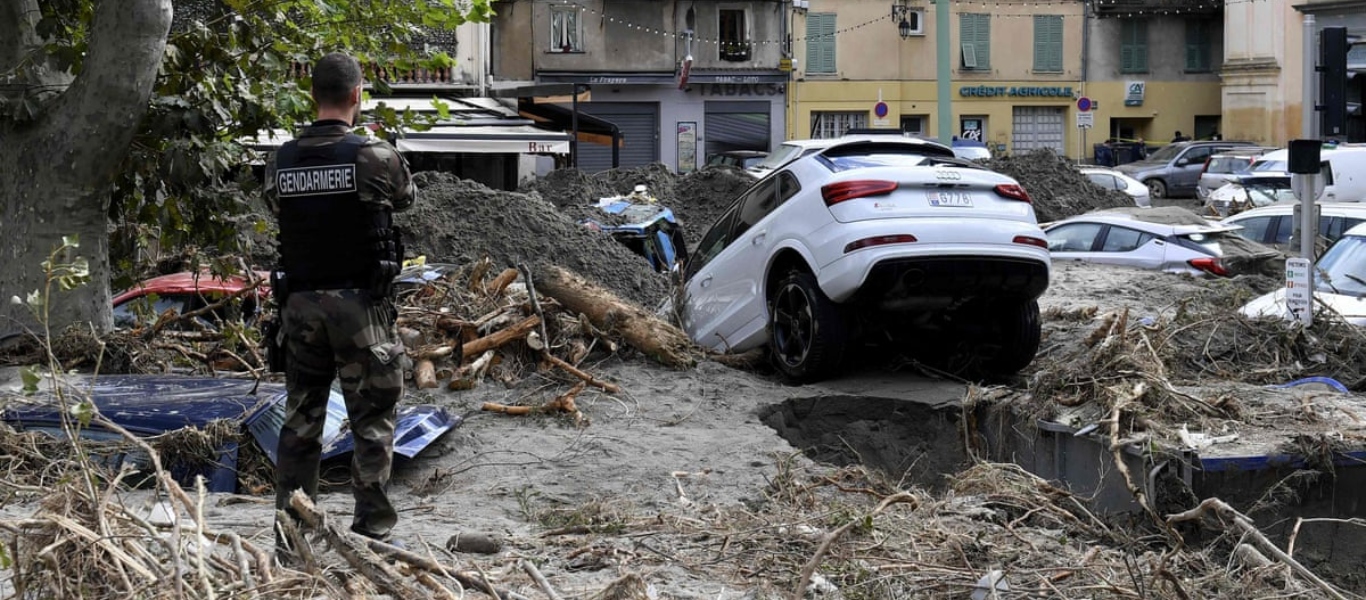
(616, 146)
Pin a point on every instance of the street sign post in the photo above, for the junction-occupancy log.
(1086, 120)
(1299, 295)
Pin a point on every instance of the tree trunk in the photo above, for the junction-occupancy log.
(651, 335)
(58, 167)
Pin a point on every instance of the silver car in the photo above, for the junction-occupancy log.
(1224, 168)
(1145, 239)
(1173, 170)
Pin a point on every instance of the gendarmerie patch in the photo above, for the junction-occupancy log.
(313, 181)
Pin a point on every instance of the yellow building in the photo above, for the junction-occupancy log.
(1018, 72)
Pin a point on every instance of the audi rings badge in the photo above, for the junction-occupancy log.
(946, 175)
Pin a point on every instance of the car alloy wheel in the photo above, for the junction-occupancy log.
(1156, 188)
(806, 329)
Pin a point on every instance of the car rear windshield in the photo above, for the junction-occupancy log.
(1211, 243)
(1228, 164)
(781, 156)
(862, 156)
(1275, 166)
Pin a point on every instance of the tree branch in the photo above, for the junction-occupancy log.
(93, 123)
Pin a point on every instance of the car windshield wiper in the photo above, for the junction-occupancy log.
(1328, 279)
(1354, 278)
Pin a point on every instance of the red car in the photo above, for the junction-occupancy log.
(185, 292)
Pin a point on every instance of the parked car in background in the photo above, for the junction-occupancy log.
(740, 159)
(971, 149)
(1339, 283)
(186, 292)
(1224, 167)
(791, 150)
(1343, 171)
(1111, 179)
(1273, 225)
(1173, 171)
(871, 236)
(1249, 190)
(1165, 239)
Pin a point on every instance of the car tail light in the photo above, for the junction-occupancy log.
(836, 193)
(1012, 191)
(881, 240)
(1031, 241)
(1209, 265)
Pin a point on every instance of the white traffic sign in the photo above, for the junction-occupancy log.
(1086, 120)
(1299, 295)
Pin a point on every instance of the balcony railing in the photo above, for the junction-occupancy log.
(393, 75)
(737, 51)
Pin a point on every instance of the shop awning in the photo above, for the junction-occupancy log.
(607, 77)
(593, 130)
(476, 139)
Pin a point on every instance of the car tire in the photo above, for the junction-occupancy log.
(1157, 189)
(1018, 330)
(807, 332)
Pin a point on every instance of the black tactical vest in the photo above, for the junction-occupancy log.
(328, 238)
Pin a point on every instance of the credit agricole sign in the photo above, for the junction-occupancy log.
(989, 91)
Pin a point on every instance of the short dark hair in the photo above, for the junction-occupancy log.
(334, 76)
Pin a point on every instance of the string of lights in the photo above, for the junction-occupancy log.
(1106, 8)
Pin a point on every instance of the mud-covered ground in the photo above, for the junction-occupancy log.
(720, 484)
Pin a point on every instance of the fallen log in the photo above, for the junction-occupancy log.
(424, 374)
(498, 338)
(608, 387)
(658, 339)
(496, 286)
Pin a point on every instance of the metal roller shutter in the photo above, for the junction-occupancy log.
(1038, 127)
(639, 124)
(736, 126)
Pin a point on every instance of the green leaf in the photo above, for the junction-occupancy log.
(83, 411)
(30, 376)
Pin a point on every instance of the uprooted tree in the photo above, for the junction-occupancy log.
(108, 111)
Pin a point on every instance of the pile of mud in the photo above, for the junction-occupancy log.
(461, 221)
(697, 198)
(1058, 190)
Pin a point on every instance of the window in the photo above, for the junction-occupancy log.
(1255, 228)
(974, 33)
(713, 242)
(1104, 180)
(913, 124)
(1284, 228)
(756, 204)
(820, 43)
(734, 36)
(564, 30)
(1123, 239)
(1133, 46)
(1048, 43)
(916, 19)
(1198, 154)
(834, 124)
(1077, 237)
(1199, 44)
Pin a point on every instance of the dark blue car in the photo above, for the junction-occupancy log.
(149, 405)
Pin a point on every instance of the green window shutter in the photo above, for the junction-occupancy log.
(974, 35)
(1133, 48)
(1198, 46)
(1048, 43)
(820, 43)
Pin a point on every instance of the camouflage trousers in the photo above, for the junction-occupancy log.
(340, 334)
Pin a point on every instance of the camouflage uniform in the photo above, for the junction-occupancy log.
(348, 334)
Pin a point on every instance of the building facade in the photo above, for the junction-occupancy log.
(680, 80)
(1016, 71)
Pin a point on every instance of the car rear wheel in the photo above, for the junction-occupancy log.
(1156, 189)
(807, 332)
(1018, 332)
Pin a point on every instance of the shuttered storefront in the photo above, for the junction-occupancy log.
(639, 125)
(1038, 127)
(736, 126)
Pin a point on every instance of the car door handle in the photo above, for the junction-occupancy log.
(706, 281)
(759, 238)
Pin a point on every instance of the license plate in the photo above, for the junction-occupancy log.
(950, 199)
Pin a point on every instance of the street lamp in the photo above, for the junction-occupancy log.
(902, 16)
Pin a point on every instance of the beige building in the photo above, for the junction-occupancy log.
(1018, 72)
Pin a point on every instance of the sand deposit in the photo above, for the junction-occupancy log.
(1058, 190)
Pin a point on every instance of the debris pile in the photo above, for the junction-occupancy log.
(1056, 188)
(696, 198)
(459, 221)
